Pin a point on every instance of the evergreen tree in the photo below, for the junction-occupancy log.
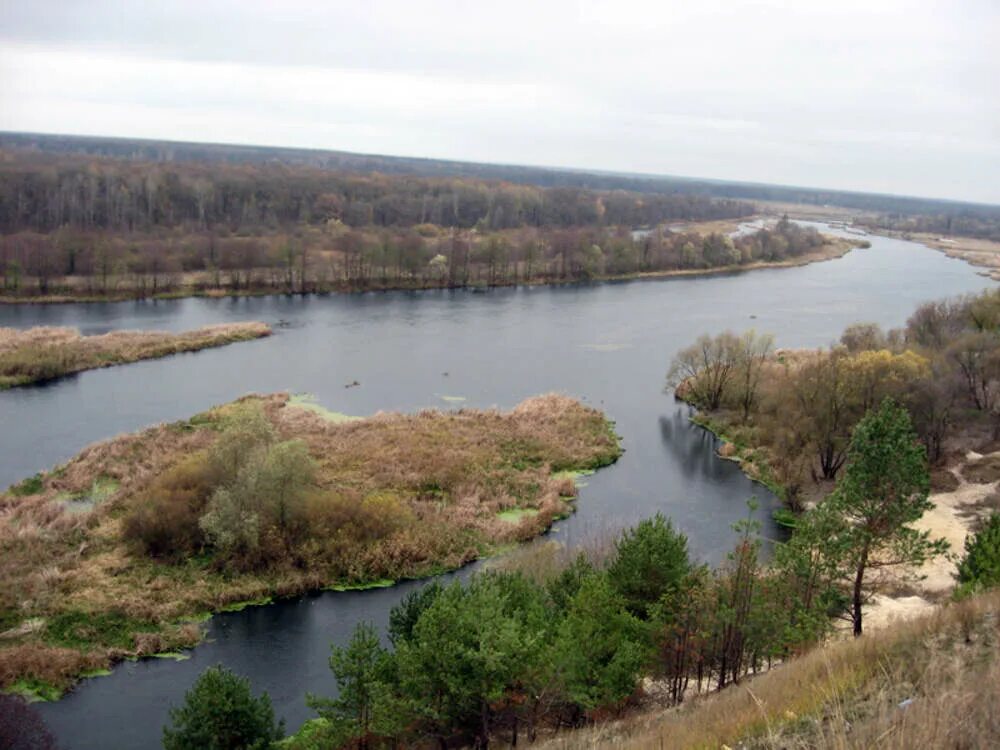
(220, 713)
(365, 707)
(650, 559)
(980, 566)
(884, 489)
(471, 652)
(600, 647)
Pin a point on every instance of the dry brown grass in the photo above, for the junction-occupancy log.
(846, 695)
(44, 353)
(432, 485)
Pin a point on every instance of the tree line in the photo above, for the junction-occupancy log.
(984, 224)
(172, 152)
(338, 257)
(798, 408)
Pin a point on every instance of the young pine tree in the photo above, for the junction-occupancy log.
(220, 713)
(366, 708)
(980, 566)
(884, 489)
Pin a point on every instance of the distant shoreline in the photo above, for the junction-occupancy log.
(835, 248)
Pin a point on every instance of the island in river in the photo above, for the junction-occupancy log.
(124, 550)
(43, 353)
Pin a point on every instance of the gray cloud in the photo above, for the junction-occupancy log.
(887, 95)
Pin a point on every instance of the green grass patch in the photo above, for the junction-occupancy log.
(83, 630)
(785, 517)
(97, 673)
(30, 486)
(35, 691)
(514, 515)
(576, 475)
(101, 490)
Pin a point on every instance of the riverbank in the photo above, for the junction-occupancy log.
(930, 682)
(964, 491)
(83, 583)
(196, 285)
(37, 355)
(981, 253)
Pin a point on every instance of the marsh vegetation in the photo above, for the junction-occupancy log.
(122, 550)
(35, 355)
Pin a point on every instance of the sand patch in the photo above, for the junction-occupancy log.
(954, 516)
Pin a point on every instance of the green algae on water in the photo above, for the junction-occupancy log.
(381, 583)
(240, 606)
(309, 402)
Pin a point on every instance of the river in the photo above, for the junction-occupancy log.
(608, 344)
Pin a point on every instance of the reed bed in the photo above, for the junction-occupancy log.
(394, 496)
(44, 353)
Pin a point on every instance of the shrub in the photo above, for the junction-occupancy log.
(245, 432)
(164, 522)
(220, 713)
(361, 519)
(267, 493)
(980, 566)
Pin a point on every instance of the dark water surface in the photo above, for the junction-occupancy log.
(607, 344)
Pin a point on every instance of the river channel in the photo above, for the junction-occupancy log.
(608, 344)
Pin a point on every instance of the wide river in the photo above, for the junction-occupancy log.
(608, 344)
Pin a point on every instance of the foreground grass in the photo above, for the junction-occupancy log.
(437, 489)
(932, 682)
(38, 354)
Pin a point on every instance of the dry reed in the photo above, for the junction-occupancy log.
(38, 354)
(433, 485)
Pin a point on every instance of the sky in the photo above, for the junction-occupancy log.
(898, 96)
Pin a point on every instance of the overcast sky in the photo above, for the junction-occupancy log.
(897, 96)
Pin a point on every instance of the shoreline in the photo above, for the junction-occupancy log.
(912, 592)
(838, 247)
(978, 253)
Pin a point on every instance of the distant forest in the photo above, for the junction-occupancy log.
(180, 152)
(102, 218)
(43, 192)
(961, 224)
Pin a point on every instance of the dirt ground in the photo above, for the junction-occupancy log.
(955, 515)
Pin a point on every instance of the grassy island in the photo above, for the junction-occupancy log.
(123, 550)
(35, 355)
